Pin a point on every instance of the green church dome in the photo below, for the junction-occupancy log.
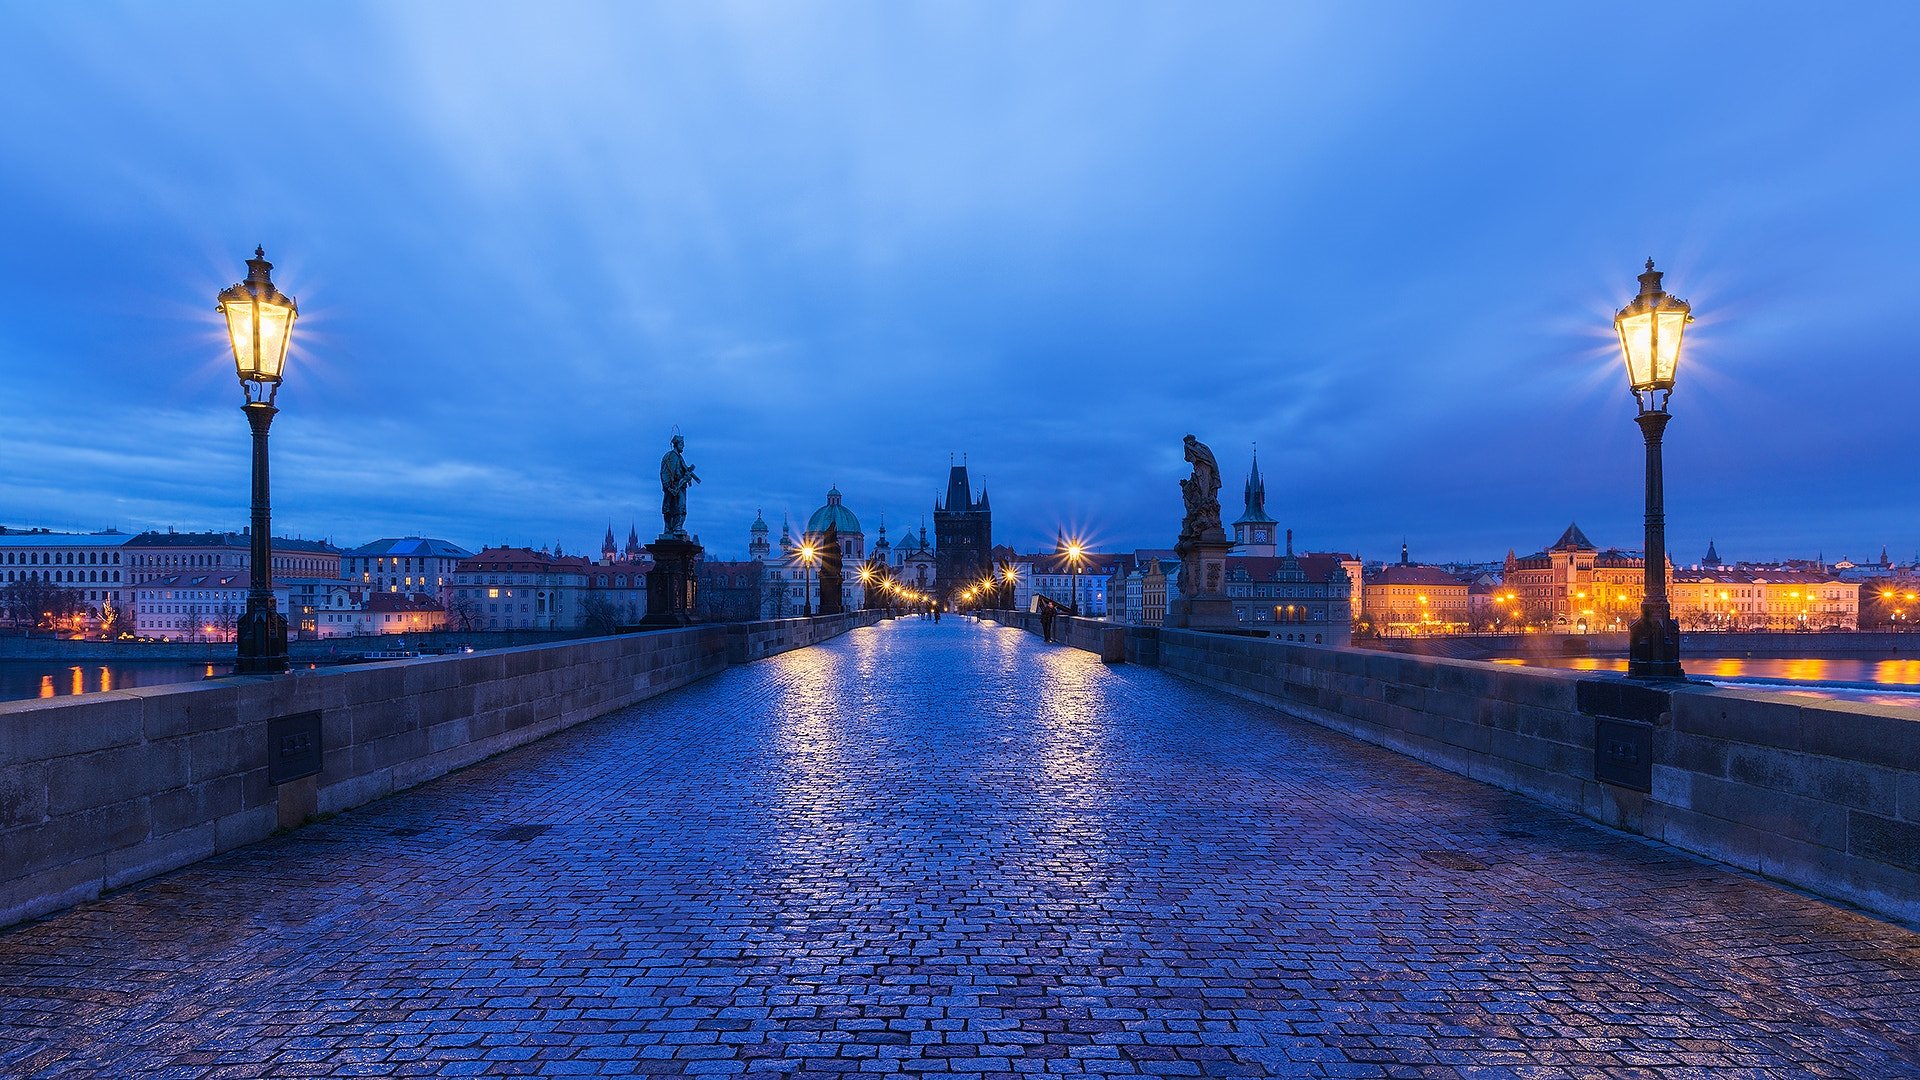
(835, 515)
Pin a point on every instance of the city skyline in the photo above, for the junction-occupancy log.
(835, 250)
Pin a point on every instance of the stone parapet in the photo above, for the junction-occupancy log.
(1820, 794)
(98, 791)
(747, 642)
(1104, 639)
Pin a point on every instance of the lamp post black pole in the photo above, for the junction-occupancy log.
(1654, 641)
(263, 630)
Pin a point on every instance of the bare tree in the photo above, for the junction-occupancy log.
(599, 614)
(39, 605)
(462, 612)
(226, 623)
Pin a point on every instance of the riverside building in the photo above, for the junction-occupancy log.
(1738, 598)
(93, 565)
(407, 564)
(1574, 587)
(518, 589)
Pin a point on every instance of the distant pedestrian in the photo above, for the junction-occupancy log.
(1046, 622)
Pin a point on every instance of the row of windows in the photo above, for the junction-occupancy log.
(224, 559)
(190, 609)
(62, 558)
(392, 565)
(186, 560)
(1283, 591)
(1289, 613)
(64, 576)
(193, 594)
(381, 616)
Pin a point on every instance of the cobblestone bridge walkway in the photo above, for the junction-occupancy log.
(951, 849)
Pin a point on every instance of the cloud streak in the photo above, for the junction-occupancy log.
(836, 244)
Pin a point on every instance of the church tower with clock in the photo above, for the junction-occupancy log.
(1253, 532)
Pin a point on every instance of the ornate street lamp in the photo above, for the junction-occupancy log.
(807, 553)
(259, 325)
(1650, 331)
(1073, 559)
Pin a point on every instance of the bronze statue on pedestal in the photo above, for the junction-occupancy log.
(675, 476)
(671, 583)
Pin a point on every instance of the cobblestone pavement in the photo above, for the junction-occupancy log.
(951, 849)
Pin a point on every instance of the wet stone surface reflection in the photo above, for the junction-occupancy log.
(951, 849)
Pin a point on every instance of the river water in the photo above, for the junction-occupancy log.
(1878, 682)
(52, 678)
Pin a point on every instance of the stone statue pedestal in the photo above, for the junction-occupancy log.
(1203, 602)
(671, 583)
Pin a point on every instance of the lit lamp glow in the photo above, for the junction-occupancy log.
(1651, 328)
(1074, 550)
(807, 552)
(259, 327)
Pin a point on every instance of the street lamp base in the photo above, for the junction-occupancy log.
(263, 644)
(1653, 646)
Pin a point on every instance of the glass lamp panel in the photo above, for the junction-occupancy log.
(1636, 341)
(240, 331)
(1672, 325)
(276, 328)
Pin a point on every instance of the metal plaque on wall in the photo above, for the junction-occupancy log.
(1623, 753)
(293, 747)
(1624, 715)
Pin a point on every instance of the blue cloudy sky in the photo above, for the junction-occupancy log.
(835, 243)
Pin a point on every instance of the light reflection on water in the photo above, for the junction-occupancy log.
(21, 679)
(1836, 679)
(54, 678)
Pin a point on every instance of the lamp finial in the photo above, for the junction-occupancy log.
(1650, 281)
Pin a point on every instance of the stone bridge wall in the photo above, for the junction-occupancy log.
(747, 642)
(1107, 640)
(1823, 795)
(98, 791)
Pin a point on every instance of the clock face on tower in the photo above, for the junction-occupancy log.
(1260, 536)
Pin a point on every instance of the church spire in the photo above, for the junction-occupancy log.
(1255, 525)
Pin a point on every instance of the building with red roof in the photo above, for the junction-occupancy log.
(507, 588)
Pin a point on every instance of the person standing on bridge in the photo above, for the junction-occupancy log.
(1046, 621)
